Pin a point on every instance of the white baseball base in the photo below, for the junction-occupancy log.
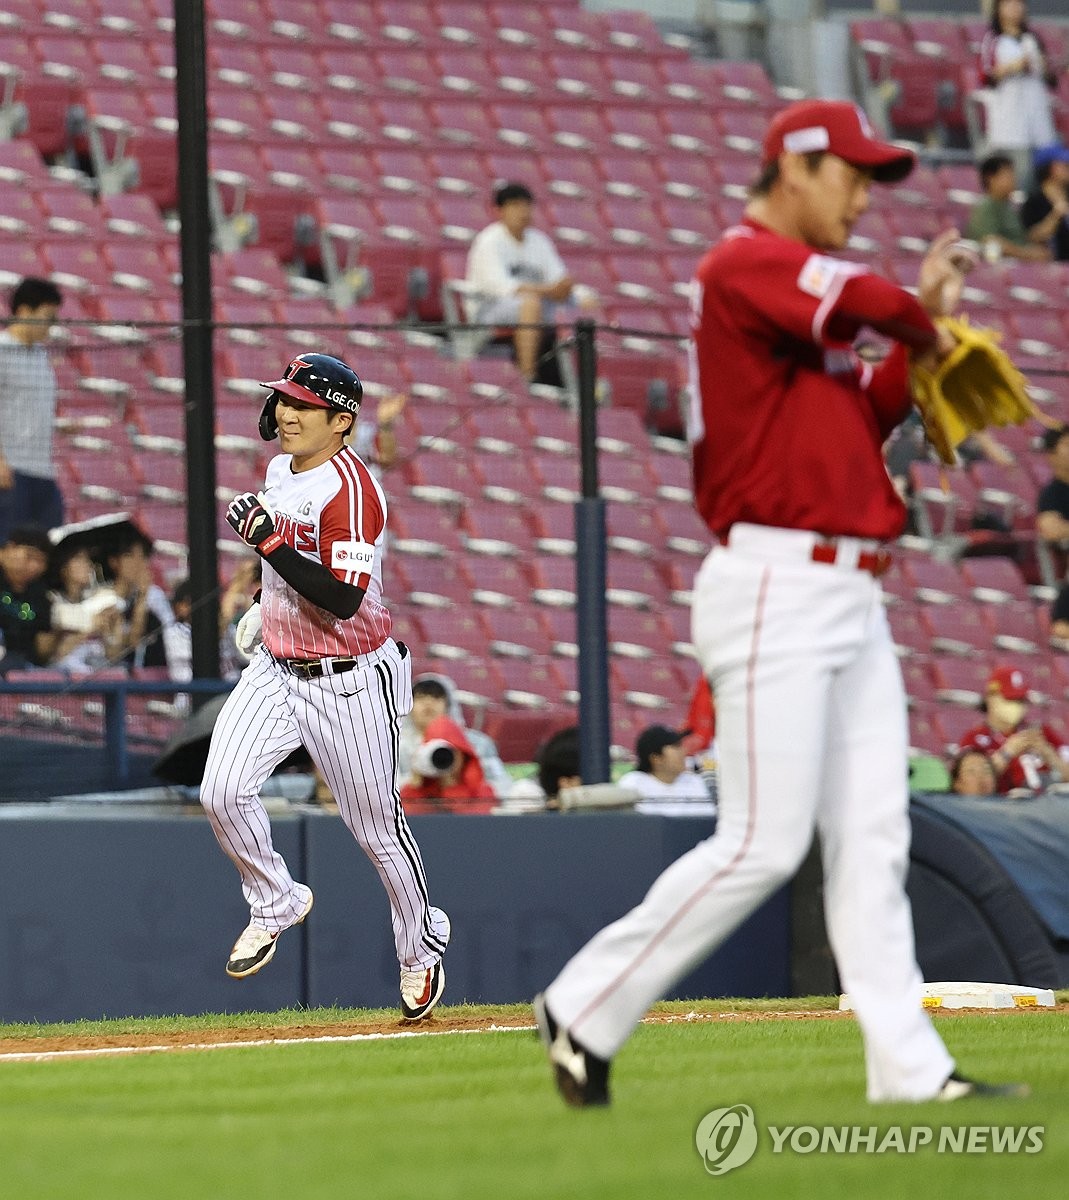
(976, 995)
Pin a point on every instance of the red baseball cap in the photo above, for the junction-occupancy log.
(1009, 682)
(840, 128)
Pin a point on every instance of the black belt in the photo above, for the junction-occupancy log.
(316, 668)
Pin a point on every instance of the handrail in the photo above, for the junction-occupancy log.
(115, 692)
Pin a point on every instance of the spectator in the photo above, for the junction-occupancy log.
(1013, 64)
(562, 784)
(972, 774)
(25, 611)
(237, 598)
(146, 611)
(994, 221)
(1046, 209)
(376, 443)
(1059, 618)
(1052, 504)
(516, 275)
(85, 630)
(435, 696)
(446, 774)
(28, 491)
(1022, 755)
(662, 777)
(178, 635)
(558, 764)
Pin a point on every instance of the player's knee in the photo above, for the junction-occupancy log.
(213, 793)
(780, 858)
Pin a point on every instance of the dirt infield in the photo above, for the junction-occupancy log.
(443, 1021)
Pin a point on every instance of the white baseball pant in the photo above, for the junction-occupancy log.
(811, 732)
(349, 723)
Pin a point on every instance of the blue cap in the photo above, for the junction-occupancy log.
(1055, 152)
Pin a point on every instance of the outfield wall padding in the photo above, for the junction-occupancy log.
(115, 913)
(110, 911)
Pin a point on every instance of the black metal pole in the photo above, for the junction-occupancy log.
(192, 106)
(591, 629)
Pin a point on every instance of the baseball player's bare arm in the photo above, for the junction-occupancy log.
(559, 290)
(1052, 527)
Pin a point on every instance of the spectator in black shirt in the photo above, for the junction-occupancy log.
(1045, 213)
(25, 611)
(1052, 505)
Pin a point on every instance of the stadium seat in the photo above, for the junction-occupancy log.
(961, 680)
(498, 529)
(498, 582)
(962, 628)
(993, 580)
(655, 683)
(455, 633)
(638, 633)
(521, 631)
(1016, 628)
(943, 499)
(535, 683)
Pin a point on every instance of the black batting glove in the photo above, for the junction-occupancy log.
(250, 520)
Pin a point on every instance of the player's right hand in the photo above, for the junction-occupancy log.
(249, 519)
(247, 635)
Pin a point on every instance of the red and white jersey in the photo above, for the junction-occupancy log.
(1027, 769)
(336, 515)
(786, 422)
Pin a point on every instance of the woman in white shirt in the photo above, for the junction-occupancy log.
(1014, 65)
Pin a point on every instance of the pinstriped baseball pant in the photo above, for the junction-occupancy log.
(811, 734)
(349, 724)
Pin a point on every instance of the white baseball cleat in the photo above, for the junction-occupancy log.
(422, 989)
(256, 947)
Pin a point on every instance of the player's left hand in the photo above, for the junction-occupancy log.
(247, 516)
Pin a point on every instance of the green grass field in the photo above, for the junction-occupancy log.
(474, 1115)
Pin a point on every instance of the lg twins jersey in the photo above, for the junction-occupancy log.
(335, 514)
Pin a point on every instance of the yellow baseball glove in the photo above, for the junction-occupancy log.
(974, 387)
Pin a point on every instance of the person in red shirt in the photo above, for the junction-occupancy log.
(786, 425)
(1023, 755)
(446, 773)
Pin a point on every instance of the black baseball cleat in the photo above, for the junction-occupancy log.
(957, 1087)
(582, 1078)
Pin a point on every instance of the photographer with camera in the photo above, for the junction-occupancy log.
(446, 773)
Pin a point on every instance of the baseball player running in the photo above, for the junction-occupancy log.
(786, 426)
(324, 672)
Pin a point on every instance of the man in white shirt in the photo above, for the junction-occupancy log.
(29, 494)
(662, 778)
(516, 275)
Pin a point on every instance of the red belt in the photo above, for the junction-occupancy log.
(876, 562)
